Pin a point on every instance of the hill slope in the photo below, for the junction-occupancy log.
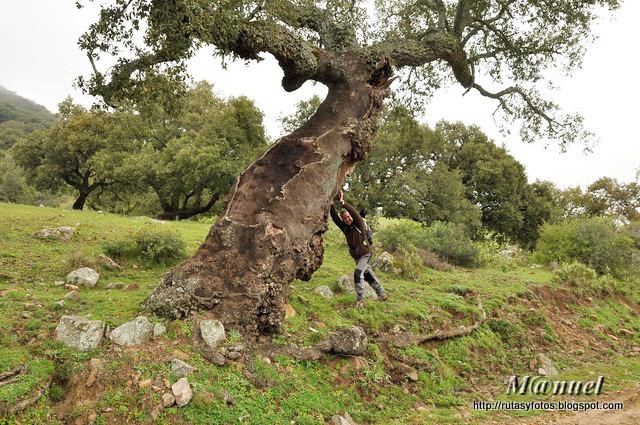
(585, 334)
(19, 116)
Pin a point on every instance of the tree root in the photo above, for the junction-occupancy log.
(11, 376)
(406, 339)
(23, 404)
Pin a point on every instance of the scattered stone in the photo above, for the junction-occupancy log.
(72, 295)
(236, 347)
(168, 400)
(166, 383)
(289, 311)
(613, 337)
(554, 265)
(228, 398)
(32, 306)
(508, 252)
(420, 406)
(344, 419)
(59, 303)
(80, 332)
(115, 285)
(593, 317)
(182, 392)
(58, 282)
(61, 233)
(95, 366)
(83, 276)
(413, 375)
(345, 285)
(324, 291)
(108, 263)
(351, 341)
(181, 369)
(26, 315)
(158, 330)
(71, 287)
(212, 332)
(135, 332)
(626, 332)
(383, 262)
(233, 355)
(267, 360)
(358, 362)
(600, 328)
(145, 383)
(544, 365)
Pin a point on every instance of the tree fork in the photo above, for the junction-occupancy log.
(271, 231)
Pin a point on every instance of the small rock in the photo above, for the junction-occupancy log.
(324, 291)
(181, 369)
(166, 383)
(146, 383)
(26, 315)
(95, 366)
(212, 332)
(344, 419)
(135, 332)
(115, 285)
(346, 286)
(72, 295)
(71, 287)
(600, 328)
(236, 347)
(383, 262)
(267, 360)
(420, 406)
(288, 311)
(358, 362)
(351, 341)
(593, 317)
(83, 276)
(182, 392)
(233, 355)
(108, 263)
(613, 337)
(59, 303)
(158, 330)
(413, 375)
(168, 400)
(80, 332)
(61, 233)
(228, 398)
(626, 332)
(545, 366)
(58, 282)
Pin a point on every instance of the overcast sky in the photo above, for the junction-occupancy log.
(40, 60)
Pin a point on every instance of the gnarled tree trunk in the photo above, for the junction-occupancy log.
(271, 231)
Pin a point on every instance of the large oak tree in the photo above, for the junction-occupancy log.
(271, 231)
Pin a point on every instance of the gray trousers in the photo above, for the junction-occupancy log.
(362, 272)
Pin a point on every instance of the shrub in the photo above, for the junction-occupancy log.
(410, 262)
(586, 280)
(149, 245)
(432, 260)
(448, 240)
(595, 242)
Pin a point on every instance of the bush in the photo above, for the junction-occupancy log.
(149, 245)
(595, 242)
(448, 240)
(410, 262)
(586, 280)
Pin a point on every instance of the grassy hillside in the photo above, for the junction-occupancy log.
(435, 382)
(19, 116)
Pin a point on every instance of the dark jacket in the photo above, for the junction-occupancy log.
(355, 233)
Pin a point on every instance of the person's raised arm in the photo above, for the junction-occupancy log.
(355, 215)
(336, 218)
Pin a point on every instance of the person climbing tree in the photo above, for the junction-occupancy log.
(355, 231)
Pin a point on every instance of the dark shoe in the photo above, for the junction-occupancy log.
(382, 297)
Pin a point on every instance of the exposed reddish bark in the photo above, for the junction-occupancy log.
(271, 231)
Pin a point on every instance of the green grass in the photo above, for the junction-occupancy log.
(451, 373)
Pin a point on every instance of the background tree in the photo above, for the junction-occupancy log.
(80, 150)
(19, 116)
(606, 196)
(278, 208)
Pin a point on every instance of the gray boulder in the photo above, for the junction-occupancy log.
(182, 392)
(158, 330)
(345, 285)
(61, 233)
(181, 369)
(383, 262)
(108, 263)
(351, 341)
(212, 332)
(545, 365)
(83, 276)
(342, 420)
(324, 291)
(79, 332)
(136, 332)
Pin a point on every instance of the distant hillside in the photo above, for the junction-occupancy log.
(19, 116)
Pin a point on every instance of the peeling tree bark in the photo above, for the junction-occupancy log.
(271, 231)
